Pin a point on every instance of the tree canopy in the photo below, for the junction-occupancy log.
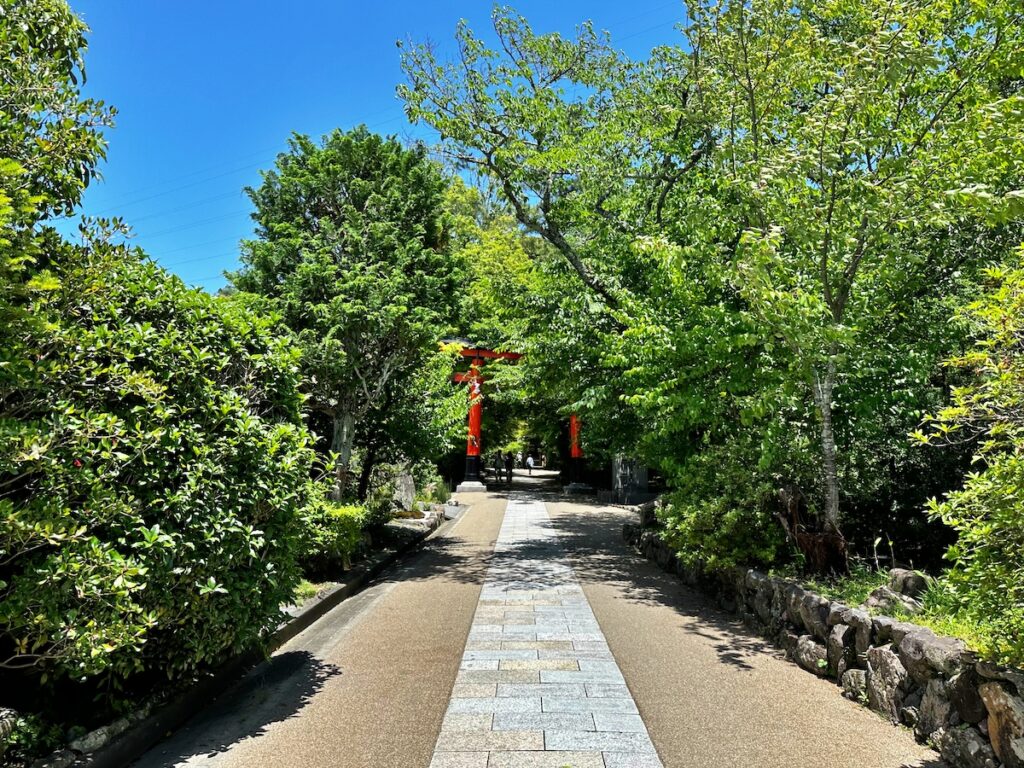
(351, 250)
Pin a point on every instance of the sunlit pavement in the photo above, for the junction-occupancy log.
(538, 685)
(405, 674)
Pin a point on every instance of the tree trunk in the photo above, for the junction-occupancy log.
(341, 444)
(823, 386)
(364, 476)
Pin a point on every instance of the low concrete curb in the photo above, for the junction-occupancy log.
(172, 715)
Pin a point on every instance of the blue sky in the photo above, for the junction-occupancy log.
(208, 91)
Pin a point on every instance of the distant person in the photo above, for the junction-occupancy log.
(498, 464)
(519, 459)
(529, 464)
(509, 462)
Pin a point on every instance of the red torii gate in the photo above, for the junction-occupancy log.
(474, 379)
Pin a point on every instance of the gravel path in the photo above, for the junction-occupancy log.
(527, 634)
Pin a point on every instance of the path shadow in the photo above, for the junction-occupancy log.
(274, 691)
(591, 535)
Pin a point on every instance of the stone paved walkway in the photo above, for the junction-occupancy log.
(538, 685)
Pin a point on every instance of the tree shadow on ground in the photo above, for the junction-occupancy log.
(590, 536)
(273, 692)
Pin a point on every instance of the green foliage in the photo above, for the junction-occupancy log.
(853, 588)
(710, 520)
(755, 239)
(47, 127)
(331, 535)
(152, 462)
(380, 492)
(31, 737)
(986, 581)
(351, 251)
(307, 590)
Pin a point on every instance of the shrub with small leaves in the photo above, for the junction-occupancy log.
(986, 582)
(332, 534)
(152, 464)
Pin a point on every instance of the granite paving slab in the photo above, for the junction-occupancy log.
(538, 686)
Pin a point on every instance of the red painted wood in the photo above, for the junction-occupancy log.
(575, 451)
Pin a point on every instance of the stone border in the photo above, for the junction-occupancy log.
(971, 711)
(119, 743)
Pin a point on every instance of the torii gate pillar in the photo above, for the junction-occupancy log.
(474, 380)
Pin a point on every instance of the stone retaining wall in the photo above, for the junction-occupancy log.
(971, 711)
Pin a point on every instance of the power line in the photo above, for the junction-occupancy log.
(218, 241)
(203, 201)
(199, 259)
(648, 12)
(197, 223)
(178, 188)
(130, 195)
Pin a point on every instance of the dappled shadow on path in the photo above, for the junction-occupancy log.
(272, 692)
(591, 535)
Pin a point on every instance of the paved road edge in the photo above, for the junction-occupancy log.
(168, 717)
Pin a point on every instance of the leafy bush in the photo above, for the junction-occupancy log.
(331, 535)
(430, 486)
(986, 581)
(720, 515)
(152, 464)
(29, 737)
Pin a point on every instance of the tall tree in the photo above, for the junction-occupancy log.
(351, 249)
(747, 208)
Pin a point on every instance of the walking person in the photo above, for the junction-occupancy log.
(529, 464)
(509, 461)
(498, 464)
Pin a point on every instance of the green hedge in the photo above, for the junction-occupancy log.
(332, 534)
(985, 585)
(152, 465)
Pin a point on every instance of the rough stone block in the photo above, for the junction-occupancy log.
(840, 646)
(963, 694)
(907, 582)
(935, 710)
(965, 748)
(855, 684)
(886, 682)
(925, 655)
(835, 613)
(811, 656)
(1005, 723)
(990, 671)
(814, 613)
(861, 622)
